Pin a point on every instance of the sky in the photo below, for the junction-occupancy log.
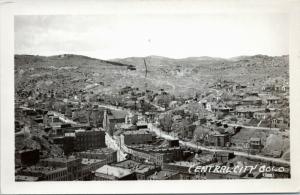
(175, 36)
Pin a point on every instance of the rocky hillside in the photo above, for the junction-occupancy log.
(178, 76)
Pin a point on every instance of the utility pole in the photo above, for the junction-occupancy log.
(146, 74)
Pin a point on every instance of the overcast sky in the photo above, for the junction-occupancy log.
(176, 36)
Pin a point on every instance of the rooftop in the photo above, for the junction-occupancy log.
(153, 148)
(117, 114)
(161, 175)
(79, 130)
(100, 151)
(252, 98)
(249, 109)
(255, 139)
(86, 161)
(25, 178)
(184, 163)
(141, 131)
(42, 169)
(60, 159)
(273, 98)
(114, 171)
(70, 134)
(133, 165)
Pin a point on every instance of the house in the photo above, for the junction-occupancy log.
(285, 88)
(261, 114)
(220, 140)
(223, 156)
(221, 108)
(252, 100)
(281, 122)
(255, 144)
(273, 100)
(244, 112)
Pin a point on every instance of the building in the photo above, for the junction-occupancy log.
(25, 178)
(224, 156)
(249, 111)
(69, 143)
(155, 154)
(182, 167)
(142, 136)
(252, 100)
(82, 140)
(89, 166)
(273, 100)
(205, 159)
(173, 143)
(72, 165)
(27, 157)
(42, 173)
(220, 140)
(165, 175)
(111, 118)
(96, 116)
(107, 154)
(142, 170)
(255, 144)
(108, 172)
(52, 120)
(221, 108)
(261, 115)
(142, 125)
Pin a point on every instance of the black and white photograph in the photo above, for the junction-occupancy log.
(151, 96)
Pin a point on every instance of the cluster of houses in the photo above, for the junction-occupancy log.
(78, 126)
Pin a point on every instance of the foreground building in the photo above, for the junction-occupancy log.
(108, 172)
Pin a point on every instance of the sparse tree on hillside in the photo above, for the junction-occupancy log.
(166, 122)
(134, 119)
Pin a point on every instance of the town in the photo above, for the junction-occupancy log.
(71, 128)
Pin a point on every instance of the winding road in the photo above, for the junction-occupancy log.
(112, 142)
(164, 135)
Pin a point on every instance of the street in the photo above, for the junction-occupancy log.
(162, 134)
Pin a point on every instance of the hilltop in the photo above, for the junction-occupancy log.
(62, 61)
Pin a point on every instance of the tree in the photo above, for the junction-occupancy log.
(165, 122)
(134, 119)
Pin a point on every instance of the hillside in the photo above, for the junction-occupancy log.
(196, 72)
(179, 76)
(63, 60)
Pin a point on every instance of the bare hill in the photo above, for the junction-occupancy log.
(178, 76)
